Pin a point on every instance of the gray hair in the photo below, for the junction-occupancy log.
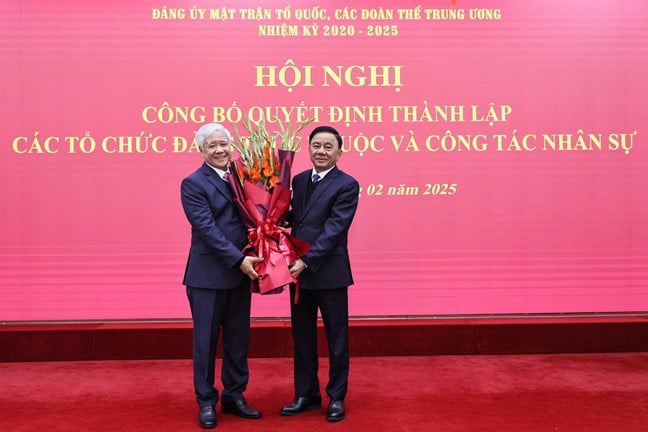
(208, 129)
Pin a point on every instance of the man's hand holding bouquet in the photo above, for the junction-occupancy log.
(260, 182)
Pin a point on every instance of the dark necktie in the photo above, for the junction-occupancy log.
(310, 187)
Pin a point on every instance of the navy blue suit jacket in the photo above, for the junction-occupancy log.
(217, 232)
(324, 222)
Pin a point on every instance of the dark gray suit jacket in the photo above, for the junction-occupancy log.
(324, 222)
(217, 232)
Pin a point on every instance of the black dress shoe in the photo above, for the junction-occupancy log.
(240, 408)
(207, 417)
(335, 411)
(301, 404)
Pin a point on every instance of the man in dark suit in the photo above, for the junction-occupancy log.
(324, 203)
(217, 278)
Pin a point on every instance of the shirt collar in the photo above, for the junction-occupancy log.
(219, 171)
(321, 174)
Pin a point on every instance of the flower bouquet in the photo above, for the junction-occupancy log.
(260, 182)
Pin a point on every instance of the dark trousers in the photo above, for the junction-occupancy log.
(211, 311)
(334, 307)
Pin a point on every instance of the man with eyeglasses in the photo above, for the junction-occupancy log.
(217, 278)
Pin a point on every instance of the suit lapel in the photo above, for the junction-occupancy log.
(321, 188)
(214, 178)
(300, 189)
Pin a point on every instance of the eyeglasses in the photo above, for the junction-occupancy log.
(215, 143)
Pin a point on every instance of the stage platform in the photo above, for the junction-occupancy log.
(388, 336)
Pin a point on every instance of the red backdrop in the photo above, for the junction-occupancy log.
(500, 146)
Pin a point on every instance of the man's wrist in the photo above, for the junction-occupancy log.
(239, 262)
